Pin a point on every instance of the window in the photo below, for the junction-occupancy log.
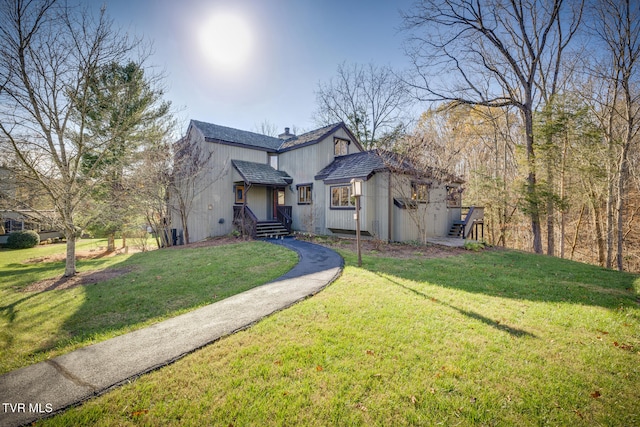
(273, 161)
(280, 198)
(341, 197)
(341, 147)
(454, 197)
(239, 191)
(420, 192)
(304, 194)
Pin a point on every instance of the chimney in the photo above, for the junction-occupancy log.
(286, 134)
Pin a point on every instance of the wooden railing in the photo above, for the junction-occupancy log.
(245, 220)
(473, 218)
(284, 216)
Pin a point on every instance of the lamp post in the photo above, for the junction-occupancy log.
(356, 191)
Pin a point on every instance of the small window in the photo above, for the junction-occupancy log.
(280, 199)
(273, 161)
(239, 191)
(341, 147)
(304, 194)
(454, 197)
(420, 192)
(341, 197)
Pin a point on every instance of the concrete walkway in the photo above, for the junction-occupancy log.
(48, 387)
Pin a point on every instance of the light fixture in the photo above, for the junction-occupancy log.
(356, 191)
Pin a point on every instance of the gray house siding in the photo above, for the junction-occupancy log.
(303, 164)
(301, 160)
(212, 210)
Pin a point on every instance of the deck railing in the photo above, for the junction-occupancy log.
(284, 216)
(473, 220)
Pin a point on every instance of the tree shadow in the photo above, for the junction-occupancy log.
(471, 314)
(520, 276)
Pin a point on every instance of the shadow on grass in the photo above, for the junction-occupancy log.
(9, 311)
(471, 314)
(166, 283)
(517, 275)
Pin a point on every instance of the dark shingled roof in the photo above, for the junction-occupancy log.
(236, 136)
(260, 173)
(255, 140)
(309, 137)
(358, 165)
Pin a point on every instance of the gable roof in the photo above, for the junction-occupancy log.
(261, 173)
(227, 135)
(365, 164)
(358, 165)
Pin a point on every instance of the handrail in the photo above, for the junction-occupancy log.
(475, 214)
(245, 220)
(468, 215)
(284, 216)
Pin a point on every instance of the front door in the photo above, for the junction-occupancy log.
(277, 199)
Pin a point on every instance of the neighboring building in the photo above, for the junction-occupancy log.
(16, 219)
(302, 183)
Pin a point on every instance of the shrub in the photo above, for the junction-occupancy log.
(23, 239)
(474, 246)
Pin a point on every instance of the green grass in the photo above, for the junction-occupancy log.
(158, 285)
(496, 338)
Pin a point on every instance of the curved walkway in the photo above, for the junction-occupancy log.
(39, 390)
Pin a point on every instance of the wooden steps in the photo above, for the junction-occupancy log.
(269, 229)
(457, 229)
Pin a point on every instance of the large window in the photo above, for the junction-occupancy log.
(341, 197)
(420, 192)
(304, 194)
(341, 147)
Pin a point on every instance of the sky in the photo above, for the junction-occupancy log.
(241, 63)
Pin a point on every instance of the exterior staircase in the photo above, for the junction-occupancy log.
(268, 229)
(468, 227)
(457, 229)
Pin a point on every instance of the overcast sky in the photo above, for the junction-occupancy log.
(267, 65)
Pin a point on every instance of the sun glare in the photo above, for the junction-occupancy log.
(225, 40)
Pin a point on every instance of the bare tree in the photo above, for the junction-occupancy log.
(490, 53)
(152, 183)
(192, 174)
(267, 128)
(49, 52)
(617, 25)
(371, 100)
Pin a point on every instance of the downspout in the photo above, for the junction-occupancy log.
(247, 187)
(390, 207)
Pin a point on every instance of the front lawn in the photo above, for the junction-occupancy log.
(151, 286)
(498, 338)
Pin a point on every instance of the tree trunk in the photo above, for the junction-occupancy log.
(563, 213)
(185, 228)
(551, 247)
(600, 240)
(609, 208)
(575, 236)
(533, 203)
(111, 242)
(622, 180)
(70, 266)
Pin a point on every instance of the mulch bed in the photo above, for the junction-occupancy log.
(384, 249)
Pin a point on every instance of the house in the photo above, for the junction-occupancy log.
(271, 185)
(13, 218)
